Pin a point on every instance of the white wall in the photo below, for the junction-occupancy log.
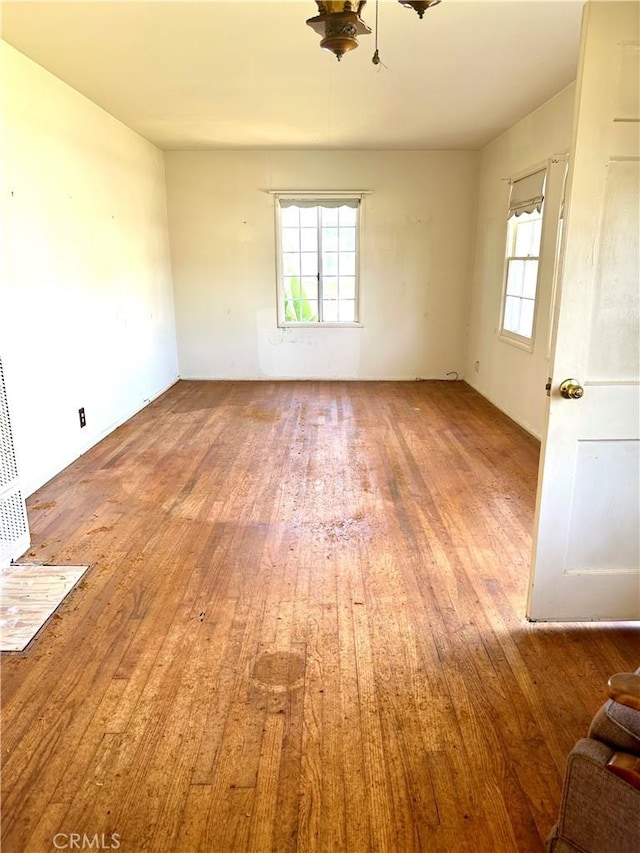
(512, 378)
(416, 245)
(86, 303)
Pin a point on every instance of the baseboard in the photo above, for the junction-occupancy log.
(118, 423)
(505, 411)
(348, 378)
(29, 488)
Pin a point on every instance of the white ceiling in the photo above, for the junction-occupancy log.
(251, 74)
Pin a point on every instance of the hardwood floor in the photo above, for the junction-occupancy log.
(302, 630)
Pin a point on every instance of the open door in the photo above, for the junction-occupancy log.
(586, 560)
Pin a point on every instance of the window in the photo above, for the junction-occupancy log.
(318, 259)
(524, 236)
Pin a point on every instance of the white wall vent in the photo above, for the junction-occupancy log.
(14, 525)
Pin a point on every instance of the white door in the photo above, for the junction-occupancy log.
(587, 543)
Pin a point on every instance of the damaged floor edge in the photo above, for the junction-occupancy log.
(30, 594)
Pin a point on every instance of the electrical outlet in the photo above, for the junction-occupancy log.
(476, 367)
(83, 419)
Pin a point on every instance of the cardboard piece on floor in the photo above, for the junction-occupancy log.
(29, 595)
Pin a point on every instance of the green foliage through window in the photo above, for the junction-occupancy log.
(297, 306)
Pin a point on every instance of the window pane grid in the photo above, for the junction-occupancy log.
(318, 258)
(523, 250)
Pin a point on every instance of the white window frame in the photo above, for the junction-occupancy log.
(319, 196)
(506, 335)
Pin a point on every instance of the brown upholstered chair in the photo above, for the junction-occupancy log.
(600, 808)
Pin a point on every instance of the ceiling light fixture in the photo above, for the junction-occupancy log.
(420, 6)
(339, 22)
(340, 25)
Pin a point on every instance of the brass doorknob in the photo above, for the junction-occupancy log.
(571, 389)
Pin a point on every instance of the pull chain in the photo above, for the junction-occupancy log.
(376, 55)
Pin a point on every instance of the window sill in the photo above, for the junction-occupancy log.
(320, 326)
(525, 344)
